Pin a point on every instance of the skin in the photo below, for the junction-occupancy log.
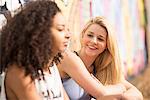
(21, 87)
(112, 97)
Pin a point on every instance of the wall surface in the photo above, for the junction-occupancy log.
(126, 16)
(129, 22)
(147, 8)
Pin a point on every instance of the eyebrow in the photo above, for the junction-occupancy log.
(60, 25)
(98, 35)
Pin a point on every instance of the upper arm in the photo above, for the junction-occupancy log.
(22, 86)
(65, 94)
(76, 69)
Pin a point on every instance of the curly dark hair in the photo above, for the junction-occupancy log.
(26, 39)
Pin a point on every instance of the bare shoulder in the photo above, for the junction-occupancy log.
(16, 75)
(71, 59)
(68, 61)
(21, 85)
(69, 55)
(71, 62)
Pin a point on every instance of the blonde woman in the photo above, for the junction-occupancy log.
(99, 53)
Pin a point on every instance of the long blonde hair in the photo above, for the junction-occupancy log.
(107, 64)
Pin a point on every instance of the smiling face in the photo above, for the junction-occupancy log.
(60, 33)
(94, 40)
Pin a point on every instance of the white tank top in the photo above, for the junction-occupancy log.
(2, 94)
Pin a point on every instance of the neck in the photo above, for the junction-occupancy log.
(46, 68)
(87, 60)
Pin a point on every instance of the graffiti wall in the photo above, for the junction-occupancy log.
(147, 9)
(9, 5)
(127, 17)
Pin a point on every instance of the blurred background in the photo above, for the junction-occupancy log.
(131, 20)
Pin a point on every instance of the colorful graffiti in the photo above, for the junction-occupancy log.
(127, 16)
(128, 20)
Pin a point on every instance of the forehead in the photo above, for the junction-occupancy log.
(97, 29)
(59, 19)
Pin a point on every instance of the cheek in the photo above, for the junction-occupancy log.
(85, 40)
(57, 41)
(59, 37)
(102, 47)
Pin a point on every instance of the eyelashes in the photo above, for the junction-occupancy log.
(98, 38)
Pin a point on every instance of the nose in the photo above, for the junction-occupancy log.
(94, 40)
(68, 34)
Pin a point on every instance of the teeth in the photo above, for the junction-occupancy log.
(91, 47)
(66, 43)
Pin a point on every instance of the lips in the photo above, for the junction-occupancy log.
(65, 43)
(92, 47)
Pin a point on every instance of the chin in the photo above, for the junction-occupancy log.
(62, 49)
(91, 53)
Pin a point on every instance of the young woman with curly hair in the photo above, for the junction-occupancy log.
(31, 43)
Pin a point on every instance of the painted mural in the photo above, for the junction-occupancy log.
(127, 17)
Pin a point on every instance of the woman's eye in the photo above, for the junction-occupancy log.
(60, 30)
(89, 35)
(100, 39)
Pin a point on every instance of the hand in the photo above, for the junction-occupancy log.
(126, 96)
(115, 89)
(111, 97)
(123, 88)
(132, 94)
